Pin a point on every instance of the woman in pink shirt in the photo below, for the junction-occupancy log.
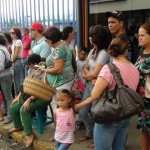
(113, 135)
(64, 120)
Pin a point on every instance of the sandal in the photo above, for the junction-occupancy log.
(52, 139)
(91, 145)
(1, 119)
(15, 129)
(85, 138)
(30, 142)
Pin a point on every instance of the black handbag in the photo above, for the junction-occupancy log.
(120, 103)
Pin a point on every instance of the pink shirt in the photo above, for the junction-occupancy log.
(65, 126)
(129, 73)
(26, 40)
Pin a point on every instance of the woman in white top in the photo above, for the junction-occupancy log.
(16, 58)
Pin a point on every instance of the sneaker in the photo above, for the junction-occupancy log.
(7, 120)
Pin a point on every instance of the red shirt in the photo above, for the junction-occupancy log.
(26, 41)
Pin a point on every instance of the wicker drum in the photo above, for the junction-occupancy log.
(38, 88)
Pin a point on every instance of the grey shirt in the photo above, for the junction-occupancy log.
(102, 58)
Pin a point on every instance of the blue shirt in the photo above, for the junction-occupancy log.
(41, 48)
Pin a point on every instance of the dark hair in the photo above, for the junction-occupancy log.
(83, 48)
(33, 59)
(118, 46)
(69, 94)
(26, 29)
(146, 26)
(53, 34)
(2, 40)
(66, 31)
(100, 37)
(17, 32)
(8, 37)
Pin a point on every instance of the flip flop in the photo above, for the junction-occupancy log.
(85, 138)
(52, 139)
(1, 119)
(28, 144)
(15, 129)
(91, 145)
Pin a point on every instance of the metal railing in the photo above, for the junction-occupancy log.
(22, 13)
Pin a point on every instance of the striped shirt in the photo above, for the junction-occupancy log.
(129, 73)
(65, 126)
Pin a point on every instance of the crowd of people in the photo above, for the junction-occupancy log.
(78, 82)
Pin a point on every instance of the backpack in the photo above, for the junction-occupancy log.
(120, 103)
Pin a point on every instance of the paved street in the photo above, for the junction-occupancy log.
(133, 140)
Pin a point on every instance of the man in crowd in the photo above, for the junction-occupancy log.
(26, 41)
(116, 24)
(39, 46)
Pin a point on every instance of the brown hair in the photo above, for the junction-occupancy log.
(69, 94)
(53, 34)
(17, 32)
(118, 46)
(146, 26)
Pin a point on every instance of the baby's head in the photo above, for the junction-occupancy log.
(33, 60)
(82, 53)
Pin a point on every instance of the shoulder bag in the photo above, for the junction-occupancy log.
(117, 104)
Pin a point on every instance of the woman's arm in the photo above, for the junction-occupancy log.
(86, 67)
(100, 85)
(57, 68)
(15, 56)
(93, 75)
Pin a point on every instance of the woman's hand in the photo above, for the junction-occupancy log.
(26, 104)
(93, 81)
(17, 99)
(42, 63)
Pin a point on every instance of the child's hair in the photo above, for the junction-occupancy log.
(34, 59)
(69, 94)
(83, 48)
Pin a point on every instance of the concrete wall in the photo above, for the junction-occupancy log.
(122, 5)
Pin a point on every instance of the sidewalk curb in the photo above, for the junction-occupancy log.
(20, 138)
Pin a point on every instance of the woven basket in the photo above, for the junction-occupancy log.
(38, 88)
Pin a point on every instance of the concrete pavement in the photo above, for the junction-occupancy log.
(42, 141)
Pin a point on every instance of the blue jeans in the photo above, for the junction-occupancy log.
(24, 71)
(85, 111)
(62, 146)
(18, 79)
(6, 87)
(111, 135)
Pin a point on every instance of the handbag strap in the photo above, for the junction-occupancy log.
(116, 74)
(5, 56)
